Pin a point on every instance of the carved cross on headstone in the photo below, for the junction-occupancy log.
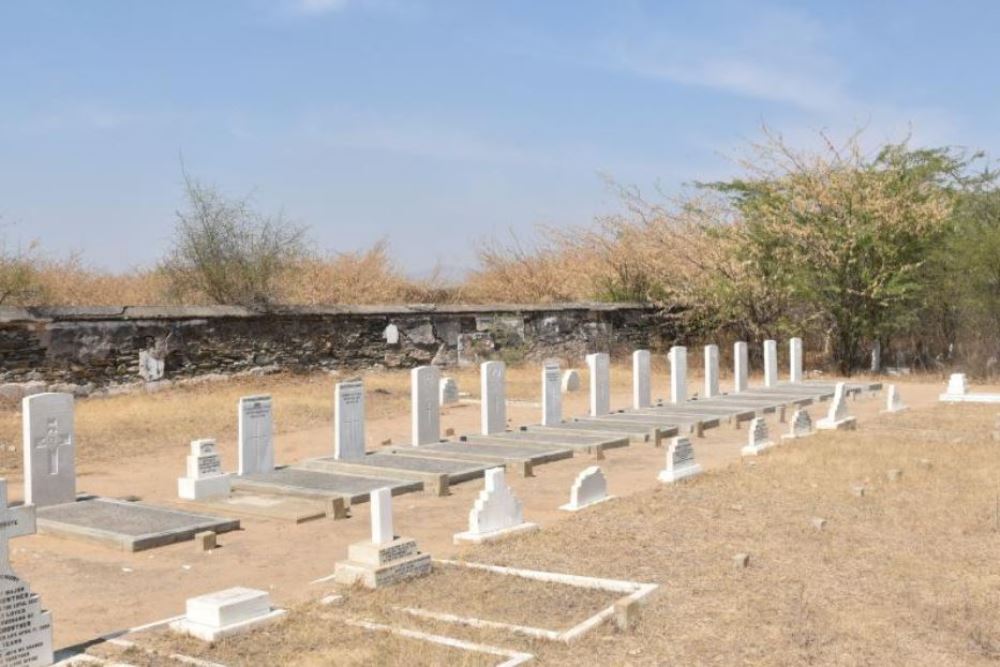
(52, 441)
(14, 522)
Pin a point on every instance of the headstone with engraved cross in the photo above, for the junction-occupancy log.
(493, 390)
(49, 449)
(25, 629)
(425, 406)
(349, 420)
(256, 443)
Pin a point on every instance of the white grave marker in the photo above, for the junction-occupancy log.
(641, 390)
(758, 437)
(391, 334)
(256, 436)
(49, 441)
(893, 402)
(800, 426)
(551, 395)
(680, 461)
(837, 417)
(349, 420)
(589, 488)
(600, 379)
(25, 628)
(425, 411)
(205, 477)
(493, 392)
(571, 381)
(958, 392)
(232, 611)
(711, 371)
(381, 507)
(741, 367)
(448, 391)
(795, 360)
(770, 363)
(678, 374)
(496, 513)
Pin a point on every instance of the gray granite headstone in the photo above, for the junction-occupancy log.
(349, 420)
(49, 449)
(256, 446)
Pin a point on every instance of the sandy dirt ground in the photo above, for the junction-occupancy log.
(92, 590)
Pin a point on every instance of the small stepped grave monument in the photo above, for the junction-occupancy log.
(25, 628)
(837, 417)
(448, 391)
(256, 435)
(758, 437)
(958, 392)
(205, 478)
(386, 559)
(800, 426)
(590, 488)
(893, 401)
(680, 461)
(225, 613)
(496, 514)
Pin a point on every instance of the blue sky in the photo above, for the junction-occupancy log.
(436, 124)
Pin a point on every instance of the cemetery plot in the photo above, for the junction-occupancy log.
(127, 526)
(263, 506)
(495, 453)
(313, 484)
(406, 466)
(633, 433)
(516, 438)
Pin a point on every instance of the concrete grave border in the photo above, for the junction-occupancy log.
(513, 658)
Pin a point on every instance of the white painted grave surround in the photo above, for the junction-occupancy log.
(349, 420)
(256, 435)
(49, 441)
(589, 488)
(600, 384)
(678, 374)
(800, 426)
(205, 478)
(493, 391)
(680, 461)
(496, 512)
(571, 380)
(711, 371)
(425, 411)
(641, 389)
(741, 367)
(228, 612)
(758, 437)
(25, 628)
(551, 395)
(837, 417)
(893, 402)
(958, 392)
(770, 363)
(795, 360)
(381, 508)
(448, 391)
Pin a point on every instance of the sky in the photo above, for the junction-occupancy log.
(436, 125)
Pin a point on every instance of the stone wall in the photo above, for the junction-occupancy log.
(101, 347)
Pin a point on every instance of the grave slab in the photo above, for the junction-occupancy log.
(389, 464)
(262, 506)
(493, 452)
(562, 440)
(312, 484)
(127, 526)
(633, 433)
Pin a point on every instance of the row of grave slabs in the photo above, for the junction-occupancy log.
(324, 486)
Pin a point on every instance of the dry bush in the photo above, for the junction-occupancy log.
(69, 282)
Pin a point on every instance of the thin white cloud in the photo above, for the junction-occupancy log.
(319, 6)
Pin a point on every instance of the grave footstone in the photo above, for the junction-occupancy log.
(600, 389)
(641, 391)
(837, 417)
(551, 395)
(424, 407)
(448, 391)
(770, 363)
(571, 380)
(795, 360)
(385, 559)
(680, 461)
(205, 478)
(256, 444)
(758, 437)
(711, 371)
(589, 488)
(25, 628)
(496, 514)
(493, 406)
(741, 367)
(49, 449)
(678, 374)
(225, 613)
(800, 426)
(893, 401)
(349, 420)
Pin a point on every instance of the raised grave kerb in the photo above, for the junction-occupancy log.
(49, 443)
(256, 435)
(349, 420)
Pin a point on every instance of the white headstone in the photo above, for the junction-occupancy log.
(551, 395)
(496, 509)
(876, 366)
(758, 437)
(957, 385)
(493, 392)
(205, 477)
(741, 367)
(49, 449)
(589, 488)
(224, 613)
(571, 380)
(893, 402)
(770, 363)
(711, 371)
(256, 435)
(795, 360)
(600, 387)
(25, 629)
(425, 409)
(381, 508)
(680, 461)
(800, 426)
(641, 389)
(448, 391)
(391, 335)
(349, 420)
(150, 367)
(837, 417)
(678, 374)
